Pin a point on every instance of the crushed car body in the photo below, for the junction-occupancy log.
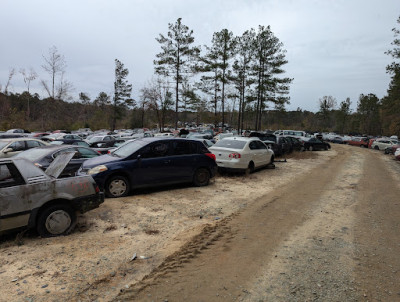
(36, 199)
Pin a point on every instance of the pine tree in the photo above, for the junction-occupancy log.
(177, 58)
(122, 92)
(267, 66)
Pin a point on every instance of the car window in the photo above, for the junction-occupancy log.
(33, 144)
(107, 138)
(87, 153)
(9, 176)
(231, 144)
(17, 146)
(260, 145)
(253, 146)
(183, 147)
(81, 143)
(158, 149)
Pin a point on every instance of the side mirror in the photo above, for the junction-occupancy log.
(8, 150)
(139, 157)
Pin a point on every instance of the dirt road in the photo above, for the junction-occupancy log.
(324, 226)
(330, 235)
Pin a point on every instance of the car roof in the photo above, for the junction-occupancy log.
(242, 138)
(18, 139)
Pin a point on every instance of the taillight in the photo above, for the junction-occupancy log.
(235, 155)
(96, 188)
(210, 155)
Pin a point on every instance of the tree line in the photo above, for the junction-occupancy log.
(236, 80)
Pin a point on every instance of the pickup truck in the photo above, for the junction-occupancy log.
(36, 199)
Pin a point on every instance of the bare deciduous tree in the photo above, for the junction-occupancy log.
(28, 78)
(10, 76)
(54, 64)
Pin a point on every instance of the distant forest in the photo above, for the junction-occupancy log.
(237, 81)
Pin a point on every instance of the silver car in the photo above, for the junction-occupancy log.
(12, 146)
(33, 198)
(242, 153)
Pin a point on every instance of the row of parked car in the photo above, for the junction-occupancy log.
(390, 145)
(47, 187)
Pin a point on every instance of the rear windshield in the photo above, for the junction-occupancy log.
(231, 144)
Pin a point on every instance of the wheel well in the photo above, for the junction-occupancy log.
(272, 159)
(36, 212)
(251, 163)
(118, 173)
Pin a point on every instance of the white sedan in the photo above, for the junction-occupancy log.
(242, 153)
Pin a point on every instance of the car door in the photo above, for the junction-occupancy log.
(255, 153)
(264, 153)
(153, 166)
(14, 205)
(184, 159)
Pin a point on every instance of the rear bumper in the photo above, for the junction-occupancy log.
(87, 203)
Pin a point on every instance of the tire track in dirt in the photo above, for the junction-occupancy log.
(316, 262)
(377, 231)
(218, 263)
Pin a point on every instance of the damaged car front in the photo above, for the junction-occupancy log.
(34, 199)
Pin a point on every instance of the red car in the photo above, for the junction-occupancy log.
(359, 142)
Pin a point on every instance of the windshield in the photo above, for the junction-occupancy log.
(3, 144)
(129, 148)
(56, 142)
(32, 154)
(95, 139)
(231, 144)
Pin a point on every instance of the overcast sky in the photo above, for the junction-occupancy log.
(334, 47)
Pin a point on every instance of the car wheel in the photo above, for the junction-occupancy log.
(117, 186)
(57, 219)
(250, 168)
(376, 148)
(201, 177)
(311, 148)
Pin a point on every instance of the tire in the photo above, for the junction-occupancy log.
(250, 168)
(201, 177)
(117, 186)
(326, 148)
(56, 220)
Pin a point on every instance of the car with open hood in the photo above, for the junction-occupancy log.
(36, 199)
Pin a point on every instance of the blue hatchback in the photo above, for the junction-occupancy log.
(151, 161)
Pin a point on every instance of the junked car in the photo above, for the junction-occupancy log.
(149, 162)
(42, 157)
(13, 146)
(242, 154)
(314, 144)
(383, 143)
(34, 199)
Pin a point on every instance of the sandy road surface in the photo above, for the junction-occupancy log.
(323, 226)
(330, 235)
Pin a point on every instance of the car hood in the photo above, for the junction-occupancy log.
(100, 160)
(59, 163)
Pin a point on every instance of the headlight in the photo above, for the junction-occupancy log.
(97, 169)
